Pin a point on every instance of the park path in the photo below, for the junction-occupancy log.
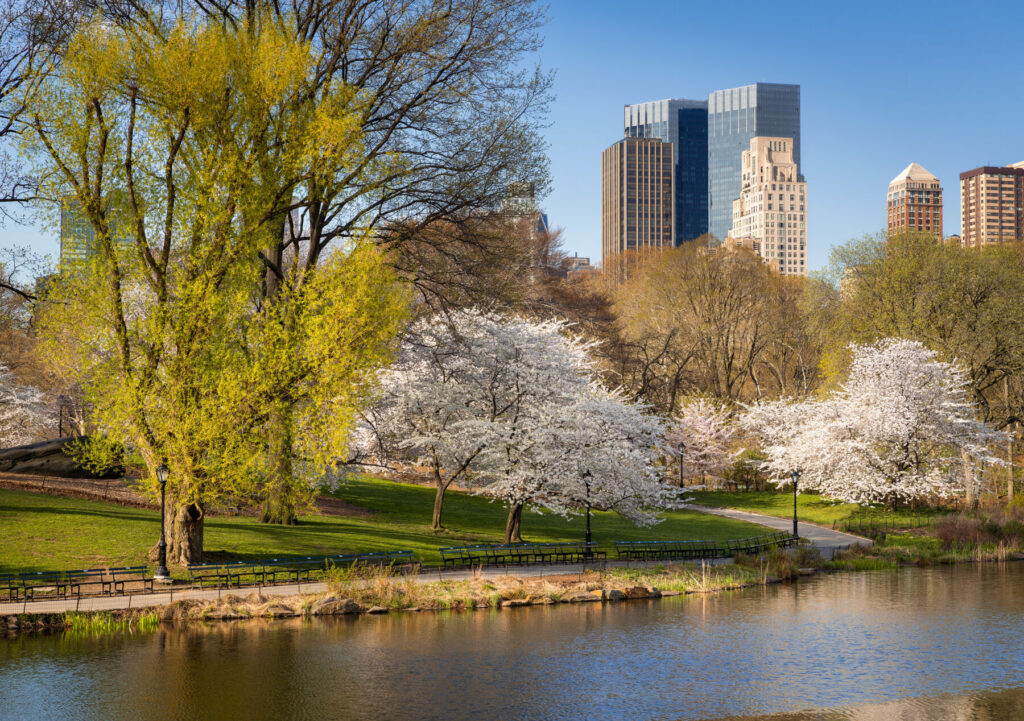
(824, 539)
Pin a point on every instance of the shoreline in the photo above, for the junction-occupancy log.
(381, 593)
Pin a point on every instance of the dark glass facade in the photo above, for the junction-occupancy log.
(735, 116)
(684, 123)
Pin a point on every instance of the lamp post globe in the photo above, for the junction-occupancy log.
(161, 572)
(795, 475)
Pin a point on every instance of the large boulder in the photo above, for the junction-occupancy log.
(581, 597)
(333, 606)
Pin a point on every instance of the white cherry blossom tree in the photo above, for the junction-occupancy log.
(701, 435)
(599, 451)
(24, 412)
(900, 428)
(458, 380)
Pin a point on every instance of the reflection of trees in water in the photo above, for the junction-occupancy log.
(825, 642)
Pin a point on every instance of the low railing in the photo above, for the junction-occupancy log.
(868, 525)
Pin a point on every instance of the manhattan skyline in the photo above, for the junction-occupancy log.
(881, 86)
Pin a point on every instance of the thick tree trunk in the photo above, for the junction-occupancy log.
(279, 503)
(280, 499)
(512, 524)
(435, 521)
(184, 534)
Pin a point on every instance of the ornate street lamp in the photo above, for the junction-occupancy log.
(795, 475)
(161, 572)
(682, 449)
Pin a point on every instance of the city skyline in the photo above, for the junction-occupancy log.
(859, 124)
(854, 101)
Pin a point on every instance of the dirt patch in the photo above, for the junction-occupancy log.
(330, 506)
(112, 490)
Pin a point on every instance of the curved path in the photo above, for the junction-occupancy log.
(824, 539)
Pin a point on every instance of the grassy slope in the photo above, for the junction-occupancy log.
(40, 532)
(810, 507)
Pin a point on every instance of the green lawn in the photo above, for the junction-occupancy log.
(39, 532)
(810, 507)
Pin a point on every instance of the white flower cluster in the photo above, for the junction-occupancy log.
(23, 412)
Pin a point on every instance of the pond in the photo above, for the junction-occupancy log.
(914, 644)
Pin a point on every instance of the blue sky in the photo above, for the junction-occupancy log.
(882, 84)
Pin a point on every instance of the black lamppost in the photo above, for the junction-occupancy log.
(682, 449)
(161, 571)
(586, 485)
(795, 475)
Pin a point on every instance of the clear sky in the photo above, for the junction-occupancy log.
(882, 84)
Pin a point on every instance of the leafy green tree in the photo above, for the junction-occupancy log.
(161, 137)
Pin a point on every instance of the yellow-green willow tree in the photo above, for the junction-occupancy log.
(181, 146)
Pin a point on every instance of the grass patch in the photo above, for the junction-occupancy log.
(42, 532)
(688, 578)
(860, 564)
(98, 624)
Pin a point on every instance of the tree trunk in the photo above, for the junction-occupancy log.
(184, 533)
(512, 524)
(1009, 464)
(970, 484)
(279, 504)
(435, 521)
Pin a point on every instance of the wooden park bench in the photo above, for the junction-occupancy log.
(122, 576)
(57, 583)
(224, 574)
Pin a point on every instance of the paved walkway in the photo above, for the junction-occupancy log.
(824, 539)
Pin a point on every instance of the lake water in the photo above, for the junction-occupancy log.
(908, 645)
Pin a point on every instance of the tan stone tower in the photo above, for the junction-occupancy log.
(914, 202)
(637, 199)
(772, 208)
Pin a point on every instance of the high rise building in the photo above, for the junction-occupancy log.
(914, 202)
(772, 207)
(992, 205)
(684, 123)
(77, 236)
(735, 116)
(637, 202)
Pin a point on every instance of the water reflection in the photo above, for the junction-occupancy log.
(979, 706)
(846, 642)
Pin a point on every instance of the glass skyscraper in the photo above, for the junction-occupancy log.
(684, 123)
(734, 117)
